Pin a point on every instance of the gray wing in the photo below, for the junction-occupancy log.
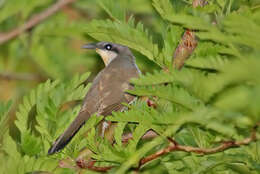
(108, 90)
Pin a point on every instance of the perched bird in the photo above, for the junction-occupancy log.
(107, 92)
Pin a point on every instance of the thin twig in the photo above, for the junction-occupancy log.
(174, 146)
(20, 76)
(90, 165)
(203, 151)
(4, 37)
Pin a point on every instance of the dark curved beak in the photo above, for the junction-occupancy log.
(90, 46)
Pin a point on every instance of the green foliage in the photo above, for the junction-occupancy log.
(141, 42)
(214, 98)
(109, 6)
(4, 109)
(40, 119)
(11, 8)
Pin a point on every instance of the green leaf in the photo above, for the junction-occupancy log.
(26, 7)
(30, 144)
(163, 7)
(239, 168)
(119, 130)
(4, 109)
(172, 93)
(158, 77)
(123, 33)
(115, 10)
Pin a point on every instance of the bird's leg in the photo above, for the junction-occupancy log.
(105, 125)
(106, 130)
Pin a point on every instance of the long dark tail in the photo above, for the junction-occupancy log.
(65, 138)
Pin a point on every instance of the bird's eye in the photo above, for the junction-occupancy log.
(108, 47)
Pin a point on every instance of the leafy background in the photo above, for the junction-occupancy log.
(213, 99)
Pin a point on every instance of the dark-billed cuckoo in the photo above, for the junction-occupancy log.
(107, 92)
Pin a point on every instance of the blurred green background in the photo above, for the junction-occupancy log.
(214, 98)
(52, 49)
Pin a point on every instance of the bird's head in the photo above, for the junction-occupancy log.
(109, 51)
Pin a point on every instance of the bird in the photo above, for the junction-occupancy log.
(108, 90)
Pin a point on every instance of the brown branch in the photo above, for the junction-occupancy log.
(174, 146)
(4, 37)
(90, 165)
(20, 76)
(187, 44)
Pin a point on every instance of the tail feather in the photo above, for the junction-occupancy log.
(66, 137)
